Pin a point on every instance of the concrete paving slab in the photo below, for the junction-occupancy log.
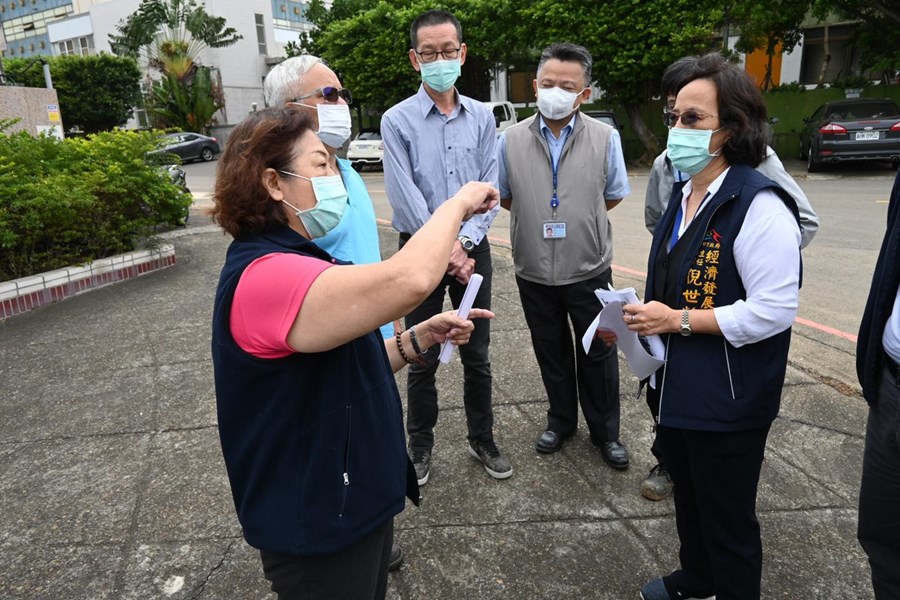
(112, 483)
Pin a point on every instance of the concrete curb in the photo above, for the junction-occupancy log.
(22, 295)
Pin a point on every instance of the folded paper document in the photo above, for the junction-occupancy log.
(641, 362)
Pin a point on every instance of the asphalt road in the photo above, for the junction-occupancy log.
(852, 207)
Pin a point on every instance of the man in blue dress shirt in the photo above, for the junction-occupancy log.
(435, 142)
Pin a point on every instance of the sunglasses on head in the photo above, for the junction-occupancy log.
(330, 93)
(689, 118)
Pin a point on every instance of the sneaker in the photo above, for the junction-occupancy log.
(421, 460)
(658, 485)
(494, 463)
(396, 557)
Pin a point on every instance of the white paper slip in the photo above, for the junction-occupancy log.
(463, 311)
(625, 296)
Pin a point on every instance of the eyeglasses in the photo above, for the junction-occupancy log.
(688, 118)
(430, 55)
(330, 93)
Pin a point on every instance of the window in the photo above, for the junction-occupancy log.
(261, 34)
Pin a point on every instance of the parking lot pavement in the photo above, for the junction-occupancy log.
(112, 483)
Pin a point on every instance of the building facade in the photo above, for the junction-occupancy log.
(57, 27)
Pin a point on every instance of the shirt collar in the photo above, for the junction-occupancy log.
(570, 125)
(426, 103)
(713, 188)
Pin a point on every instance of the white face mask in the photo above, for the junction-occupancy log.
(556, 103)
(334, 123)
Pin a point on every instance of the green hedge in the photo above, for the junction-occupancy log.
(73, 201)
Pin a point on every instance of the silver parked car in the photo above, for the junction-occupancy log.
(861, 129)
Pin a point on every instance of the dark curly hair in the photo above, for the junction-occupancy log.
(740, 105)
(264, 139)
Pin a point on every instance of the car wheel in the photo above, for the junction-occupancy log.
(803, 155)
(811, 165)
(206, 154)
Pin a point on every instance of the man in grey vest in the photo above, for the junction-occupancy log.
(560, 174)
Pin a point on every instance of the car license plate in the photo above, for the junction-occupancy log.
(866, 135)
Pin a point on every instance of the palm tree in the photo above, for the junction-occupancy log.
(168, 36)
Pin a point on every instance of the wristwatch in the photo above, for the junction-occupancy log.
(467, 244)
(685, 323)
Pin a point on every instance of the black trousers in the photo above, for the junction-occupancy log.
(421, 392)
(716, 477)
(879, 494)
(359, 572)
(568, 373)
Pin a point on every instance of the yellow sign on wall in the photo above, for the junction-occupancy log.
(53, 113)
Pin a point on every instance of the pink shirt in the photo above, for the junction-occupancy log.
(268, 298)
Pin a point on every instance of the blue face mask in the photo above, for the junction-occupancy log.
(689, 149)
(440, 75)
(331, 200)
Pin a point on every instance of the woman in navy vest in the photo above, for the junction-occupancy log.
(309, 415)
(722, 291)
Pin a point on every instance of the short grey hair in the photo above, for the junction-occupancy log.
(282, 79)
(566, 52)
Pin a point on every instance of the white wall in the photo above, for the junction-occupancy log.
(69, 28)
(790, 64)
(241, 67)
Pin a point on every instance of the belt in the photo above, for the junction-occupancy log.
(893, 369)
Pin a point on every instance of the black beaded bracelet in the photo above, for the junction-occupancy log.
(400, 348)
(415, 341)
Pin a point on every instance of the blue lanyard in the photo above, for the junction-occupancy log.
(554, 201)
(673, 239)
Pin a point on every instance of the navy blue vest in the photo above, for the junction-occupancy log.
(870, 355)
(708, 384)
(313, 443)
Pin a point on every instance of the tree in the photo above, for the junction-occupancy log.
(632, 42)
(188, 108)
(367, 43)
(184, 24)
(96, 93)
(771, 25)
(169, 35)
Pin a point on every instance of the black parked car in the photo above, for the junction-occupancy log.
(605, 116)
(859, 129)
(190, 146)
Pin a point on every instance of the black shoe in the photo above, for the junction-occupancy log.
(658, 485)
(396, 557)
(550, 442)
(421, 460)
(615, 454)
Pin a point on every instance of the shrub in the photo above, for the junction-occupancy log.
(73, 201)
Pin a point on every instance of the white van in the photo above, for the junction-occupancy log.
(504, 114)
